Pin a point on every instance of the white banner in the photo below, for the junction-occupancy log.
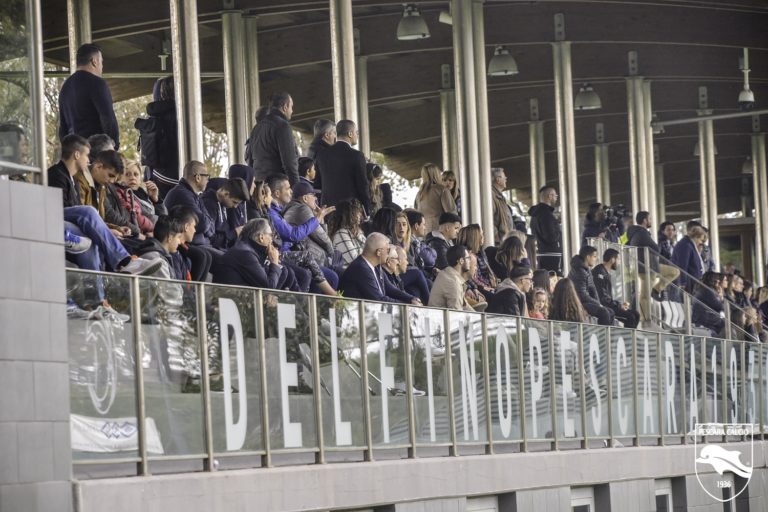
(110, 435)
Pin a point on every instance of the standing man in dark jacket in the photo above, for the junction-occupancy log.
(639, 236)
(546, 229)
(602, 278)
(687, 256)
(342, 169)
(324, 137)
(585, 286)
(272, 147)
(85, 103)
(187, 193)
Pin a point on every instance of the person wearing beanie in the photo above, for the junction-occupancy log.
(509, 298)
(450, 285)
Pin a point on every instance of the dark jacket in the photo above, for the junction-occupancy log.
(602, 281)
(167, 175)
(686, 257)
(508, 300)
(359, 282)
(546, 228)
(85, 107)
(225, 220)
(59, 177)
(422, 256)
(706, 310)
(342, 169)
(113, 212)
(317, 147)
(638, 236)
(273, 149)
(246, 264)
(440, 245)
(592, 230)
(182, 194)
(583, 282)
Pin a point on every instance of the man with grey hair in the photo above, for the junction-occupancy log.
(253, 260)
(363, 278)
(324, 137)
(503, 218)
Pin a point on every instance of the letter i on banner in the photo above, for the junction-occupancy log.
(537, 386)
(714, 384)
(504, 392)
(229, 316)
(597, 409)
(647, 390)
(621, 362)
(734, 387)
(430, 387)
(752, 406)
(289, 375)
(569, 427)
(468, 384)
(343, 428)
(693, 392)
(387, 372)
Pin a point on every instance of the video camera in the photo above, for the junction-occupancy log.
(613, 216)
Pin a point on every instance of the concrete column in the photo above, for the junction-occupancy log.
(761, 213)
(541, 158)
(78, 28)
(562, 164)
(363, 124)
(250, 25)
(235, 88)
(703, 195)
(633, 171)
(186, 80)
(651, 167)
(536, 151)
(36, 88)
(642, 152)
(714, 229)
(661, 200)
(602, 178)
(483, 129)
(446, 97)
(343, 61)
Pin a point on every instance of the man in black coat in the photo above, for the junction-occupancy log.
(639, 236)
(85, 103)
(187, 193)
(272, 147)
(546, 228)
(585, 285)
(602, 278)
(341, 169)
(74, 157)
(324, 137)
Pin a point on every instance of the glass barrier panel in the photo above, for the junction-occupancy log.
(622, 383)
(567, 378)
(234, 369)
(713, 350)
(752, 382)
(695, 386)
(290, 391)
(386, 374)
(102, 358)
(503, 354)
(734, 390)
(631, 270)
(341, 372)
(429, 375)
(172, 386)
(596, 365)
(647, 388)
(537, 377)
(672, 382)
(764, 386)
(469, 410)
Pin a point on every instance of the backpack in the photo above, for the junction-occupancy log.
(152, 142)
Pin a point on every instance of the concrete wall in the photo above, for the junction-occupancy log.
(35, 457)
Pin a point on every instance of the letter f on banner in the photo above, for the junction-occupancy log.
(229, 316)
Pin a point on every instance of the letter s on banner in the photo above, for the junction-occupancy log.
(229, 316)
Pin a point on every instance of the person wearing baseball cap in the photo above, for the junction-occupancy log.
(303, 206)
(509, 298)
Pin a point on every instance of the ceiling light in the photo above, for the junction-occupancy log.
(445, 17)
(587, 99)
(412, 25)
(746, 167)
(746, 96)
(502, 63)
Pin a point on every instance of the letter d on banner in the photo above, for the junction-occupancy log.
(229, 316)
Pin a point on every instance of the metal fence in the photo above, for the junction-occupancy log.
(213, 374)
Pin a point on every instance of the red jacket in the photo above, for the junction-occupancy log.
(132, 206)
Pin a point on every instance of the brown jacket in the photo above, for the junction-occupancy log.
(448, 290)
(438, 200)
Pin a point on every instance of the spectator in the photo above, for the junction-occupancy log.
(420, 255)
(433, 199)
(442, 239)
(667, 239)
(107, 166)
(129, 200)
(74, 158)
(187, 193)
(345, 232)
(165, 167)
(83, 179)
(735, 291)
(363, 279)
(546, 280)
(244, 211)
(566, 306)
(503, 218)
(687, 257)
(374, 173)
(253, 260)
(190, 262)
(510, 254)
(324, 137)
(450, 183)
(539, 306)
(546, 230)
(394, 267)
(640, 237)
(85, 103)
(595, 225)
(762, 303)
(708, 309)
(627, 221)
(450, 283)
(271, 145)
(341, 170)
(307, 172)
(602, 278)
(162, 246)
(586, 291)
(145, 193)
(509, 298)
(298, 211)
(473, 294)
(473, 239)
(221, 199)
(101, 142)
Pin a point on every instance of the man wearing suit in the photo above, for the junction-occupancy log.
(342, 169)
(363, 278)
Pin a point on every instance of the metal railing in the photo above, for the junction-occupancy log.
(209, 376)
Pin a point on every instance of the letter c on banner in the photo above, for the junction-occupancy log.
(229, 316)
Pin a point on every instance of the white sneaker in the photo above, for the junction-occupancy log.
(142, 267)
(109, 313)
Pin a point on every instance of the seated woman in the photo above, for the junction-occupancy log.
(145, 193)
(566, 306)
(345, 230)
(484, 279)
(708, 309)
(511, 252)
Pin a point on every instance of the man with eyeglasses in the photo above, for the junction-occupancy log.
(187, 193)
(450, 284)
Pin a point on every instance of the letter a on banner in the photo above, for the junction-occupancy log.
(229, 316)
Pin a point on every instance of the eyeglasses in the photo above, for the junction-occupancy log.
(203, 175)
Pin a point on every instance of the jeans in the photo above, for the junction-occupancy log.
(88, 223)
